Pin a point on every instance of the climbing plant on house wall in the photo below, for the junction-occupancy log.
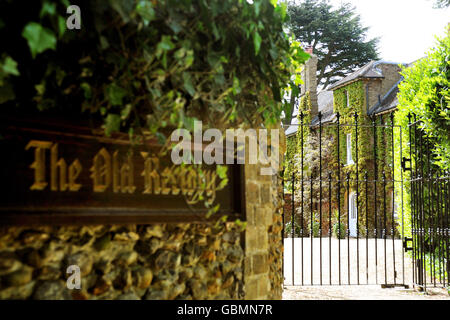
(363, 145)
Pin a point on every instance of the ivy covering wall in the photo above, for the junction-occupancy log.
(362, 155)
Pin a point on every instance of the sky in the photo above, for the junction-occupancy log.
(406, 28)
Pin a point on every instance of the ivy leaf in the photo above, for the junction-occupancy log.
(161, 138)
(47, 9)
(87, 90)
(257, 42)
(9, 66)
(6, 93)
(187, 84)
(236, 86)
(125, 113)
(222, 184)
(61, 26)
(175, 26)
(165, 44)
(39, 38)
(145, 9)
(112, 123)
(115, 94)
(222, 171)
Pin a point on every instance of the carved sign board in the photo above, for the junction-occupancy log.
(56, 173)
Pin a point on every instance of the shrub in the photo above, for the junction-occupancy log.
(288, 229)
(315, 227)
(336, 233)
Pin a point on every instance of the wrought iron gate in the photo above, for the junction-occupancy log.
(430, 202)
(347, 219)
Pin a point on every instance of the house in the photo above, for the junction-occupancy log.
(371, 92)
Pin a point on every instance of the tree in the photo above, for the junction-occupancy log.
(441, 4)
(335, 35)
(425, 92)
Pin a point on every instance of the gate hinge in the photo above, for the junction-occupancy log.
(404, 161)
(405, 244)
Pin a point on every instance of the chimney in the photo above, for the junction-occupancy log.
(309, 77)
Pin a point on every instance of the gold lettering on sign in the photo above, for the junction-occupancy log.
(56, 163)
(152, 181)
(191, 181)
(127, 175)
(74, 171)
(116, 173)
(39, 163)
(101, 171)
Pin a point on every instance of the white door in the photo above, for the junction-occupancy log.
(353, 215)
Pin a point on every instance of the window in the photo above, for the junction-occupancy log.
(348, 98)
(349, 149)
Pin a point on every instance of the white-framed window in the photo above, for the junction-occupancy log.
(353, 207)
(348, 98)
(349, 149)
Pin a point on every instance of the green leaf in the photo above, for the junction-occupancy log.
(175, 26)
(115, 94)
(221, 171)
(165, 44)
(61, 26)
(125, 113)
(257, 42)
(112, 123)
(236, 86)
(9, 66)
(6, 93)
(187, 84)
(86, 90)
(104, 44)
(39, 38)
(161, 138)
(48, 8)
(144, 9)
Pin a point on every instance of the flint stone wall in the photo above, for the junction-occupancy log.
(161, 261)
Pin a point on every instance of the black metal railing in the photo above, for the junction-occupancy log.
(354, 235)
(347, 220)
(430, 202)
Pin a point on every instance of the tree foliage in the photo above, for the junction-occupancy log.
(440, 4)
(425, 93)
(336, 36)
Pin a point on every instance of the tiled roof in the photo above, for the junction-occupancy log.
(325, 105)
(368, 71)
(293, 127)
(325, 101)
(327, 116)
(388, 102)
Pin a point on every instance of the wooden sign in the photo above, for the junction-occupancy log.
(53, 171)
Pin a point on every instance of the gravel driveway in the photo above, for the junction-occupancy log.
(371, 268)
(374, 258)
